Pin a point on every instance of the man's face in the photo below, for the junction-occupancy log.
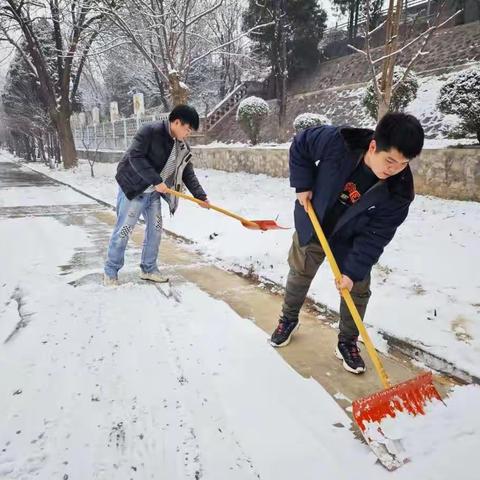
(180, 130)
(385, 164)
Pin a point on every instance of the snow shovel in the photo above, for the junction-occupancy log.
(251, 224)
(409, 397)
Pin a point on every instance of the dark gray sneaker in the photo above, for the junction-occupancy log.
(349, 353)
(283, 333)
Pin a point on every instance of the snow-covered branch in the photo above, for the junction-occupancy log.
(427, 32)
(421, 51)
(209, 52)
(196, 18)
(20, 50)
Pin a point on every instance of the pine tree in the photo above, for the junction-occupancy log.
(305, 24)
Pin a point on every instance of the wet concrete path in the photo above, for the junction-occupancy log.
(311, 351)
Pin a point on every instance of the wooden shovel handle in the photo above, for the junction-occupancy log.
(244, 221)
(348, 298)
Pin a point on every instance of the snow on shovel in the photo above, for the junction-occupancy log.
(379, 415)
(251, 224)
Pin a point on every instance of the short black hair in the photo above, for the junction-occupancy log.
(400, 131)
(186, 114)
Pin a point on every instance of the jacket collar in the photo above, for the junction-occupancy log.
(357, 141)
(182, 144)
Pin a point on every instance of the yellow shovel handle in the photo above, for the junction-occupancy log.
(213, 207)
(348, 298)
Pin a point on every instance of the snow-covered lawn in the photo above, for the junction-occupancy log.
(426, 288)
(123, 383)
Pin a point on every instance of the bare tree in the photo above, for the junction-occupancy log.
(281, 26)
(170, 35)
(91, 145)
(383, 82)
(72, 25)
(235, 59)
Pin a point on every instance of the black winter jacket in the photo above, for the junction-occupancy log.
(142, 163)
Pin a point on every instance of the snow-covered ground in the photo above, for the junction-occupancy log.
(123, 383)
(426, 287)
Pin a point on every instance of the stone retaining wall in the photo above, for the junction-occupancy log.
(334, 88)
(452, 173)
(448, 47)
(449, 173)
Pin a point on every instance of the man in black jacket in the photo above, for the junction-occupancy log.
(158, 158)
(361, 187)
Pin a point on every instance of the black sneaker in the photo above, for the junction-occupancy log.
(283, 333)
(350, 354)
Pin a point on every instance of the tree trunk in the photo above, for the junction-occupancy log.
(41, 149)
(281, 60)
(355, 23)
(383, 108)
(223, 89)
(283, 67)
(392, 29)
(29, 151)
(224, 77)
(178, 90)
(351, 19)
(161, 89)
(65, 138)
(50, 150)
(56, 151)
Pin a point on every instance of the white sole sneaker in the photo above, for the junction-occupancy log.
(154, 277)
(345, 364)
(287, 341)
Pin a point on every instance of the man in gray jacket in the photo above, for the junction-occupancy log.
(158, 158)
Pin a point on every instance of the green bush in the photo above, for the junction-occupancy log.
(461, 96)
(251, 113)
(305, 120)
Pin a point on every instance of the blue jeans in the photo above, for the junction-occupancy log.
(128, 213)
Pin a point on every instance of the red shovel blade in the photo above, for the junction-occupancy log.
(410, 397)
(263, 225)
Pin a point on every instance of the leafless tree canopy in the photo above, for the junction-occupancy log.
(71, 27)
(383, 77)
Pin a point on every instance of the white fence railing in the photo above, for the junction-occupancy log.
(111, 135)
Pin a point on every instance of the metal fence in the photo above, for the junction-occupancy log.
(111, 135)
(409, 7)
